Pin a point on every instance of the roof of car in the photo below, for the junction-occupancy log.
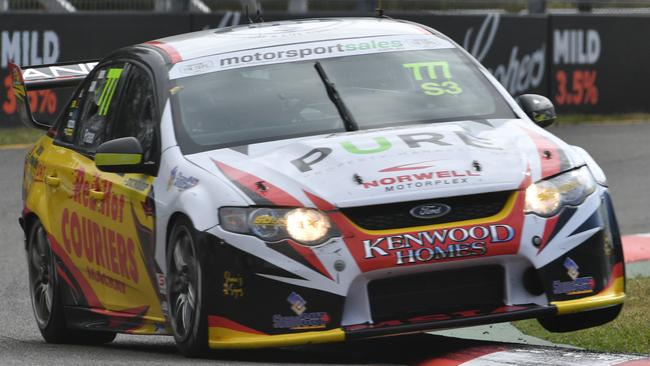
(260, 35)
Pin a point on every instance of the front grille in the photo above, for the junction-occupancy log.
(436, 292)
(397, 215)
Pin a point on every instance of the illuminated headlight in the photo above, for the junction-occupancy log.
(547, 197)
(304, 225)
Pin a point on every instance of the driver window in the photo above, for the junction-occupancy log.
(89, 117)
(137, 113)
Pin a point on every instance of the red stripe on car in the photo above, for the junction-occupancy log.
(87, 290)
(549, 227)
(310, 256)
(320, 203)
(173, 54)
(259, 186)
(125, 313)
(65, 278)
(618, 271)
(549, 154)
(117, 319)
(221, 322)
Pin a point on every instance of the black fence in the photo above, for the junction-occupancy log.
(584, 63)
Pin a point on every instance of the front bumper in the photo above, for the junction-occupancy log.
(255, 302)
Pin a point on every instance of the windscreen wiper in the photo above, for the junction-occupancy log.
(350, 124)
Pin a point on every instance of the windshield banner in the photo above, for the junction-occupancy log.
(307, 51)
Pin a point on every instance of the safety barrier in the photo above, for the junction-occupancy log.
(584, 63)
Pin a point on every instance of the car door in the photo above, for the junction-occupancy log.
(137, 116)
(103, 222)
(85, 218)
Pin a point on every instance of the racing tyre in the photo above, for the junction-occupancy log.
(577, 321)
(46, 294)
(186, 289)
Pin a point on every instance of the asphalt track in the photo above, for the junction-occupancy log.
(621, 149)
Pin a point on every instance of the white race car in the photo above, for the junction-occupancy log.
(304, 182)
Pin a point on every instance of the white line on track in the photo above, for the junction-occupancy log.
(15, 146)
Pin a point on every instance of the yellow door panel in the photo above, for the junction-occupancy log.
(104, 225)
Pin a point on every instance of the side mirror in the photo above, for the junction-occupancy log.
(123, 155)
(538, 108)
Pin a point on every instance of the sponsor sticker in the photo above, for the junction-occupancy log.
(404, 182)
(59, 71)
(435, 317)
(197, 68)
(301, 322)
(298, 304)
(137, 184)
(162, 283)
(180, 181)
(577, 285)
(411, 166)
(432, 245)
(581, 285)
(437, 71)
(159, 328)
(571, 268)
(233, 285)
(372, 148)
(89, 137)
(105, 280)
(308, 51)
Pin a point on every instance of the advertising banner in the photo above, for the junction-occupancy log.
(36, 39)
(598, 63)
(584, 63)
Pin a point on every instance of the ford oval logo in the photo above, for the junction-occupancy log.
(430, 211)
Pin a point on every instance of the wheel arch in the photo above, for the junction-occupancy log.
(28, 220)
(172, 221)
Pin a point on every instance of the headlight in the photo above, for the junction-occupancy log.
(267, 224)
(547, 197)
(304, 225)
(307, 226)
(543, 198)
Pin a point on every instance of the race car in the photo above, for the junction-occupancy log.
(306, 181)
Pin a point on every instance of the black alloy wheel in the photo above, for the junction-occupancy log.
(185, 289)
(46, 294)
(41, 276)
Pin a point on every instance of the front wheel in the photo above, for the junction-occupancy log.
(46, 294)
(583, 320)
(186, 289)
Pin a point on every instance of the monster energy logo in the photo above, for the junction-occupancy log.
(109, 90)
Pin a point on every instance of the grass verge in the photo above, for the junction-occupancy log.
(19, 135)
(629, 333)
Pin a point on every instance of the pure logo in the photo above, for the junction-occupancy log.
(430, 211)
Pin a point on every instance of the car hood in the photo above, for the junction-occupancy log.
(392, 164)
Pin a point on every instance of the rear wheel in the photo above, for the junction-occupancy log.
(46, 294)
(186, 289)
(577, 321)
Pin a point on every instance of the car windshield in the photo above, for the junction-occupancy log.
(268, 102)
